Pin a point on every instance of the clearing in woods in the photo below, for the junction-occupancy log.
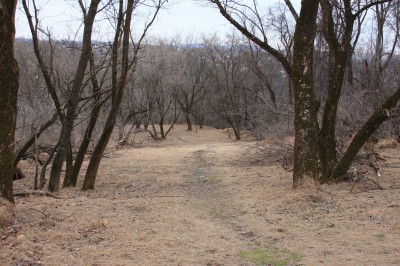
(204, 199)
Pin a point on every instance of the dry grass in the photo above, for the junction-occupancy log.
(7, 213)
(193, 200)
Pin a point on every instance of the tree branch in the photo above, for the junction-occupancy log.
(291, 9)
(364, 8)
(263, 44)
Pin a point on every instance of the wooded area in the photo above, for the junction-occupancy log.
(325, 73)
(275, 143)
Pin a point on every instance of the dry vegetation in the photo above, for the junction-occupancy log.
(200, 199)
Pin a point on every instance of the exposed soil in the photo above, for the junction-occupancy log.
(205, 199)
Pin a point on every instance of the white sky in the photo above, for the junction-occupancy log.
(185, 17)
(188, 17)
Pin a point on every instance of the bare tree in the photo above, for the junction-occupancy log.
(9, 74)
(98, 77)
(46, 69)
(267, 107)
(194, 81)
(338, 34)
(160, 78)
(379, 84)
(121, 64)
(282, 27)
(132, 111)
(229, 70)
(74, 94)
(72, 103)
(337, 25)
(249, 22)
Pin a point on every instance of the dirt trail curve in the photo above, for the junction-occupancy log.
(194, 199)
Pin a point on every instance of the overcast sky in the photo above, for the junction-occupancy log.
(185, 17)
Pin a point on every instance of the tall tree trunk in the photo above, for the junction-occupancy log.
(236, 130)
(340, 52)
(94, 163)
(327, 135)
(9, 85)
(301, 73)
(72, 103)
(117, 93)
(306, 124)
(73, 177)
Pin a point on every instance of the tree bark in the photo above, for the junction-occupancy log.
(161, 124)
(117, 93)
(236, 130)
(341, 53)
(306, 124)
(188, 122)
(301, 73)
(72, 179)
(327, 135)
(72, 103)
(9, 74)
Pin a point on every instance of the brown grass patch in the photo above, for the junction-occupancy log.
(7, 213)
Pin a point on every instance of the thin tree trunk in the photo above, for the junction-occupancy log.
(118, 92)
(9, 85)
(237, 133)
(327, 134)
(121, 128)
(264, 79)
(73, 177)
(188, 122)
(350, 74)
(69, 159)
(94, 163)
(176, 117)
(161, 124)
(72, 103)
(44, 166)
(155, 134)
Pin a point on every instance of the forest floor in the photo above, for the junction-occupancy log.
(205, 199)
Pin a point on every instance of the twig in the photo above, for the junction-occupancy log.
(162, 196)
(358, 181)
(168, 196)
(9, 146)
(36, 193)
(376, 183)
(42, 212)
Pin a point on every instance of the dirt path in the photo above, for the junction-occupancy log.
(196, 199)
